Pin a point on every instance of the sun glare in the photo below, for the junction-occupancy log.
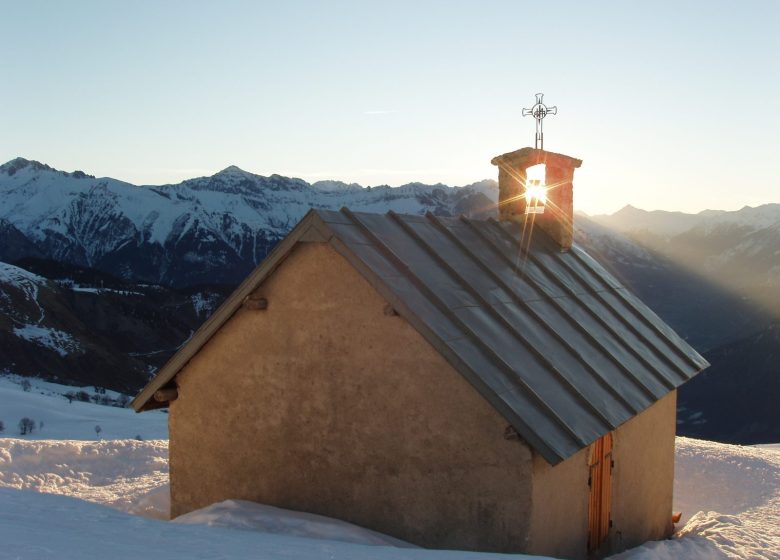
(535, 189)
(536, 193)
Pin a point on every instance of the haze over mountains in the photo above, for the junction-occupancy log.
(740, 249)
(715, 276)
(104, 280)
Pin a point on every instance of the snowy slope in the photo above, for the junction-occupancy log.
(84, 327)
(730, 500)
(730, 494)
(21, 296)
(45, 402)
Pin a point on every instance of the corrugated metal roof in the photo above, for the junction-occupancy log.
(557, 345)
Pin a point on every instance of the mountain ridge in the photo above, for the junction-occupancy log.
(203, 230)
(18, 163)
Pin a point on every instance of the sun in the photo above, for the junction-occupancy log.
(535, 194)
(535, 189)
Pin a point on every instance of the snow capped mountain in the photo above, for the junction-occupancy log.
(657, 222)
(739, 250)
(662, 226)
(214, 230)
(755, 218)
(203, 230)
(335, 186)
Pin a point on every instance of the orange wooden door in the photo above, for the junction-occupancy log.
(600, 481)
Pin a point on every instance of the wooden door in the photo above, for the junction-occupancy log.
(600, 481)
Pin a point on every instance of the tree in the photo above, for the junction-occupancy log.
(98, 429)
(26, 426)
(26, 385)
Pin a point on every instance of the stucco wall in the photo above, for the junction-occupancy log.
(559, 523)
(643, 477)
(642, 485)
(325, 403)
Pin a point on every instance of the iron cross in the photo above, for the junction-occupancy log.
(539, 111)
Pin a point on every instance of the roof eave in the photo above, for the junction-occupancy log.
(145, 398)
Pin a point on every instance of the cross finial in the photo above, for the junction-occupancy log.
(539, 111)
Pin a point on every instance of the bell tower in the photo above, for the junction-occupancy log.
(519, 200)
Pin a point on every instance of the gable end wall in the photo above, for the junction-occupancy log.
(324, 403)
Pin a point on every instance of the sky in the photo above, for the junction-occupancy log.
(671, 105)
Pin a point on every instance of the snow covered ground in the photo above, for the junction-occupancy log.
(729, 496)
(74, 497)
(46, 402)
(116, 473)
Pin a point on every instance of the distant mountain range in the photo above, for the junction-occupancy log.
(200, 231)
(104, 279)
(739, 251)
(700, 281)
